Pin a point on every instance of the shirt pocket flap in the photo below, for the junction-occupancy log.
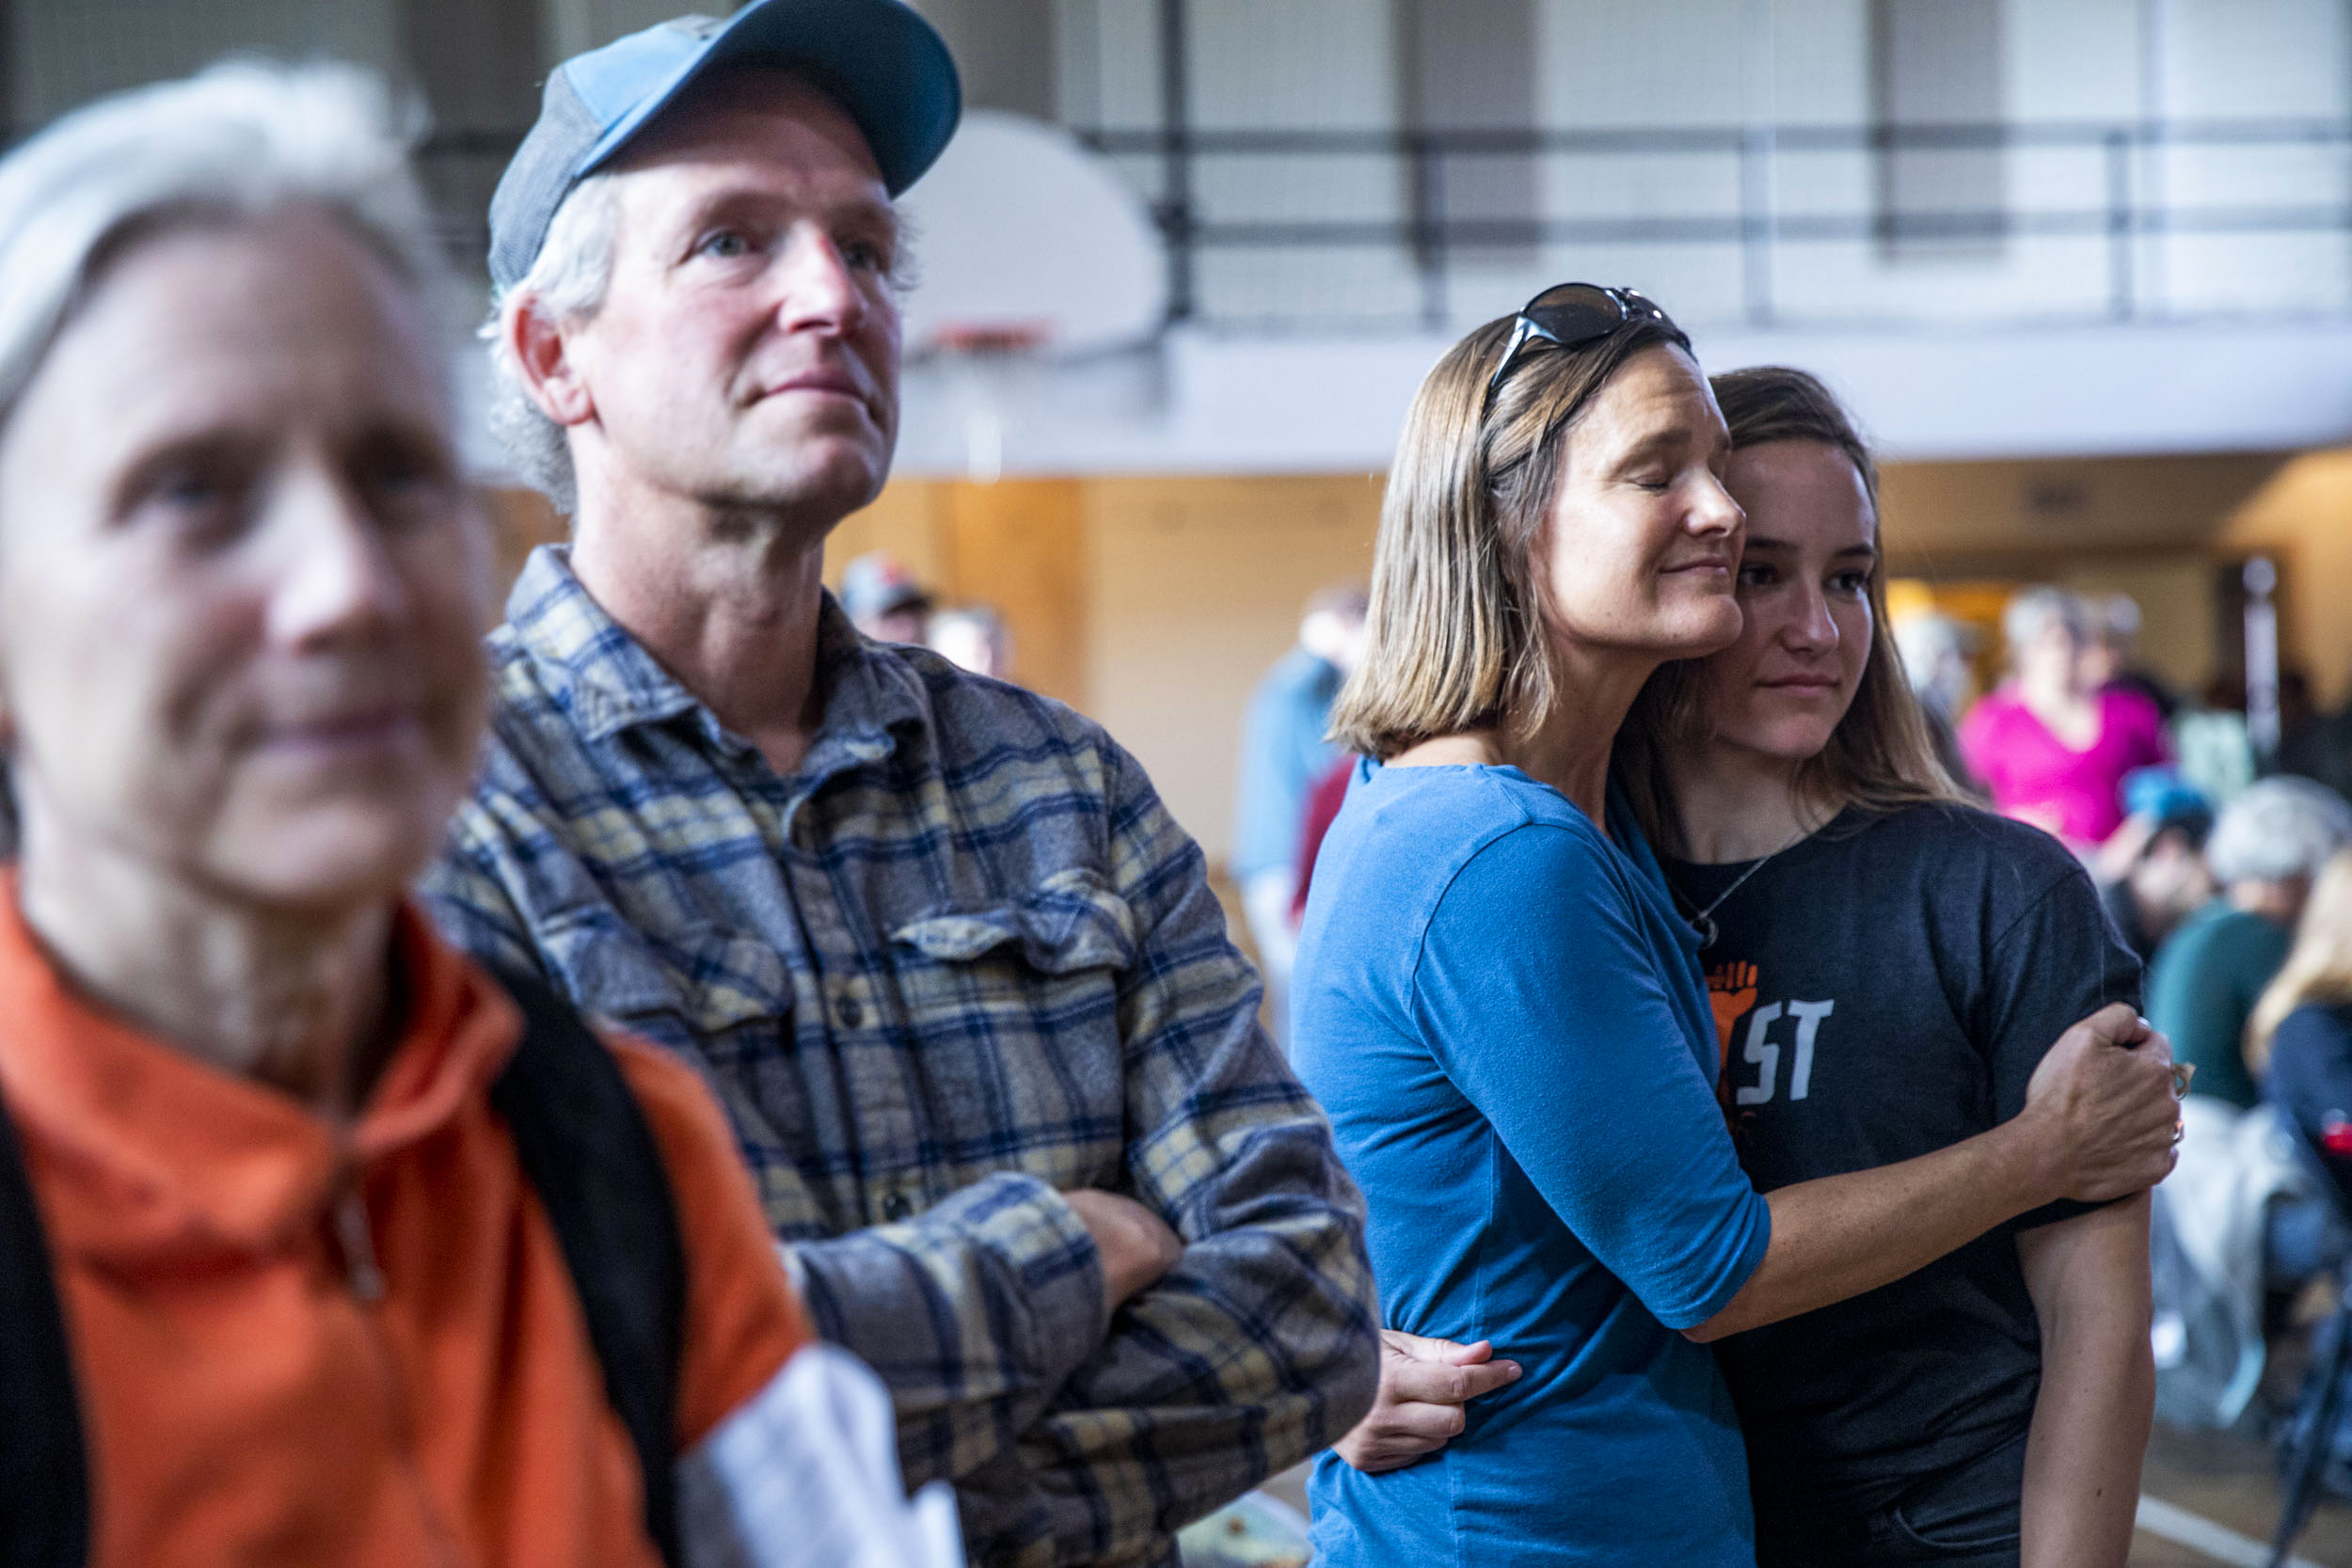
(709, 977)
(1070, 922)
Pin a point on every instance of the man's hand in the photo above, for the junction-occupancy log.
(2105, 1106)
(1423, 1385)
(1134, 1244)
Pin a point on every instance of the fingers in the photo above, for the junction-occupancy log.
(1434, 1384)
(1397, 1435)
(2117, 1023)
(1446, 1351)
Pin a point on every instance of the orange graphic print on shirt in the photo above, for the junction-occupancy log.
(1731, 991)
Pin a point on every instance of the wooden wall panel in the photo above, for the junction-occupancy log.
(2303, 517)
(1020, 547)
(520, 521)
(1196, 587)
(904, 521)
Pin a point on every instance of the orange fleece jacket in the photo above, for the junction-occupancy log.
(243, 1402)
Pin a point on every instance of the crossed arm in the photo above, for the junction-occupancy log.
(1254, 1349)
(986, 1314)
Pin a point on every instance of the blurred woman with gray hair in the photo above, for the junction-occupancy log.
(317, 1242)
(2053, 749)
(2265, 848)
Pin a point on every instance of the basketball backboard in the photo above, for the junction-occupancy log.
(1023, 235)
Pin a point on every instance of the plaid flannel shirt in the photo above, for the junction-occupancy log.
(960, 959)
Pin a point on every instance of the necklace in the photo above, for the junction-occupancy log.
(1703, 921)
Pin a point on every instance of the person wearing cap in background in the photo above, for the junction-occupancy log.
(958, 976)
(883, 600)
(2152, 874)
(2264, 848)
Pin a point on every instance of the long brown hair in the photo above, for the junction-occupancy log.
(1455, 632)
(1880, 755)
(2318, 966)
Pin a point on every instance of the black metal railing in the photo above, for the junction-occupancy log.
(2120, 211)
(2115, 194)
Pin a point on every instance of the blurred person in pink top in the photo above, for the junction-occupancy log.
(2051, 746)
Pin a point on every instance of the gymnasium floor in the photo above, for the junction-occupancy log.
(2208, 1498)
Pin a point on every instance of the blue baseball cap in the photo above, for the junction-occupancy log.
(887, 67)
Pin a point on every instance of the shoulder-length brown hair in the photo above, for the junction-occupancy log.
(1880, 755)
(1455, 633)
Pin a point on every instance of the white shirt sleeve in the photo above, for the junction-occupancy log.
(806, 1475)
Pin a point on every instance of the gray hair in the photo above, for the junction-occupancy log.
(567, 280)
(2117, 617)
(2034, 610)
(239, 140)
(2277, 829)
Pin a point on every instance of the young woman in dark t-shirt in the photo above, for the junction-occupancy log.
(1992, 1407)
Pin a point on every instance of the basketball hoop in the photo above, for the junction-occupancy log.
(1043, 277)
(982, 361)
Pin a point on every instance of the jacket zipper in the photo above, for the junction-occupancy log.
(355, 1240)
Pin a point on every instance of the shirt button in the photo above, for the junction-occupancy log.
(896, 1207)
(850, 1014)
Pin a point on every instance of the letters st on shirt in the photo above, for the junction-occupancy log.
(1768, 1046)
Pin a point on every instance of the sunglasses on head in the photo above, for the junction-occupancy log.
(1567, 315)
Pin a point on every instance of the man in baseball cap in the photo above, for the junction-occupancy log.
(956, 973)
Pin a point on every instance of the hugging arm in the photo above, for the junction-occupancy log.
(2089, 1118)
(2097, 1124)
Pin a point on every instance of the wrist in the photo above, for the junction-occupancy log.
(2028, 1154)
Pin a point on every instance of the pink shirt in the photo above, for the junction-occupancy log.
(2037, 778)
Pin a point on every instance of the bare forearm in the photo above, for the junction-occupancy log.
(2082, 1461)
(2088, 1277)
(1841, 1235)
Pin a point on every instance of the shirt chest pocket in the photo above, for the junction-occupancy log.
(1036, 971)
(691, 986)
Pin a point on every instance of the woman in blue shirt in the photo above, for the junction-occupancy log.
(1502, 1009)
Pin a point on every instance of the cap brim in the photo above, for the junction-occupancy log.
(884, 64)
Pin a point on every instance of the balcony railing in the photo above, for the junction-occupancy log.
(1763, 227)
(1311, 229)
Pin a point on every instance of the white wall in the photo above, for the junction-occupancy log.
(1232, 404)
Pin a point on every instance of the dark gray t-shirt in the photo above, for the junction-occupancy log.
(1883, 989)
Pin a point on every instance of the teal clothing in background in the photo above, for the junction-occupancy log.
(1282, 754)
(2202, 988)
(1504, 1017)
